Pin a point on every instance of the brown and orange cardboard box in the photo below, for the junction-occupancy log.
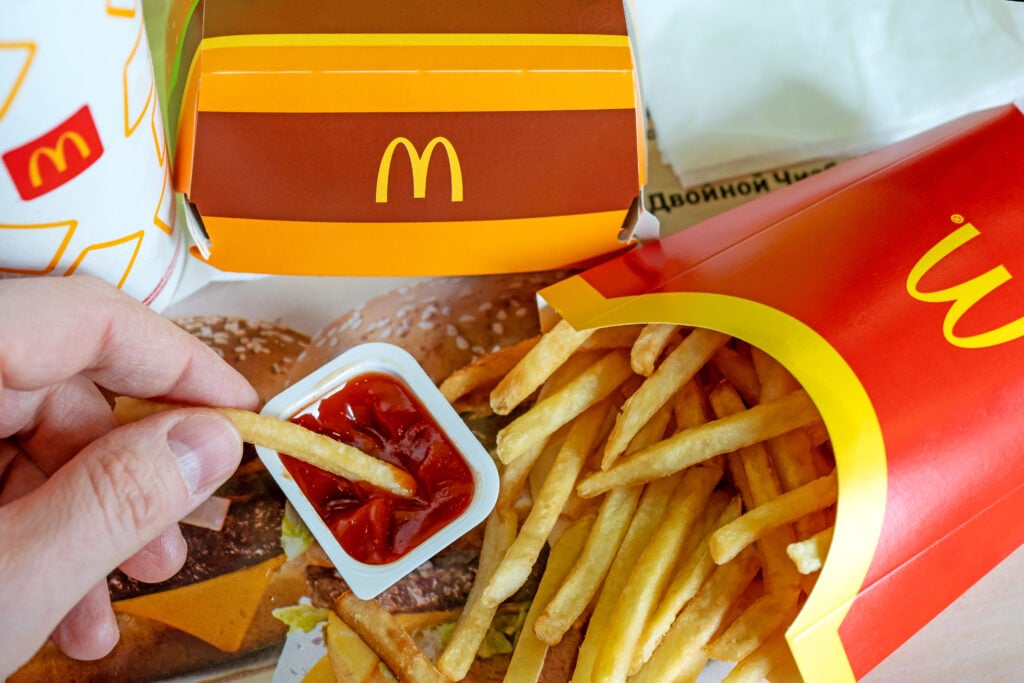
(405, 138)
(891, 287)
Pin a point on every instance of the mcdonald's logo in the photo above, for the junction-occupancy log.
(49, 161)
(420, 167)
(962, 297)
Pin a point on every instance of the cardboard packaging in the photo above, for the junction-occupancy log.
(402, 138)
(85, 183)
(890, 287)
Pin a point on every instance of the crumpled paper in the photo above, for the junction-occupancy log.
(737, 87)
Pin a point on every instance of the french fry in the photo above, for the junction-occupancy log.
(688, 579)
(701, 443)
(649, 345)
(528, 657)
(514, 476)
(677, 369)
(351, 659)
(773, 655)
(652, 572)
(513, 570)
(297, 441)
(458, 655)
(681, 655)
(540, 421)
(568, 371)
(649, 511)
(732, 538)
(809, 555)
(385, 636)
(613, 518)
(739, 369)
(759, 485)
(539, 362)
(485, 371)
(617, 337)
(754, 626)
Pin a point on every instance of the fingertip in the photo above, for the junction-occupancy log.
(207, 447)
(89, 631)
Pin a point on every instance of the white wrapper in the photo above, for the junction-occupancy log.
(85, 180)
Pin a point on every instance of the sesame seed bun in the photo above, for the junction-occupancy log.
(263, 352)
(443, 322)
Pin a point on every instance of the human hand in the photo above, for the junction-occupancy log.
(79, 495)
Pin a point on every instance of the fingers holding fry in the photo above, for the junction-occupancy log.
(297, 441)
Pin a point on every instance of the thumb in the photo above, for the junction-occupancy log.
(101, 508)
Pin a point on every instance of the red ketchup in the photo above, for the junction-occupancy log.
(377, 414)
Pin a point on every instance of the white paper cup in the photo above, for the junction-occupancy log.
(85, 184)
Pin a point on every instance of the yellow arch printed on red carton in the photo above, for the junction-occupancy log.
(845, 409)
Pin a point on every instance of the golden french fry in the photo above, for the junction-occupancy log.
(677, 369)
(529, 373)
(759, 485)
(297, 441)
(688, 579)
(386, 637)
(809, 555)
(703, 442)
(739, 369)
(485, 371)
(682, 648)
(650, 510)
(773, 655)
(540, 421)
(648, 347)
(458, 655)
(528, 657)
(754, 626)
(514, 476)
(514, 568)
(613, 519)
(618, 337)
(351, 659)
(568, 371)
(579, 587)
(652, 572)
(732, 538)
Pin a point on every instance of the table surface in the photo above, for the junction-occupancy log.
(977, 638)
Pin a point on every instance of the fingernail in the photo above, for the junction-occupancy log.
(207, 448)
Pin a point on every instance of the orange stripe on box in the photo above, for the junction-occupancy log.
(437, 248)
(322, 92)
(272, 58)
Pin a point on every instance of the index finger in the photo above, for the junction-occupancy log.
(81, 325)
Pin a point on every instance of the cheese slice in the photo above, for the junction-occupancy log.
(217, 611)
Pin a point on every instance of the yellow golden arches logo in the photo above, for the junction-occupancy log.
(964, 295)
(420, 166)
(56, 155)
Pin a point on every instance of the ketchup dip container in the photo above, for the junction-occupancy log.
(377, 397)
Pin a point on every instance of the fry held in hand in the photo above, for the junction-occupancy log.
(300, 443)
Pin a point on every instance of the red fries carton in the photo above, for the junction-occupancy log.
(891, 287)
(405, 138)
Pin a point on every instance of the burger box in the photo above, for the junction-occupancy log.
(405, 138)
